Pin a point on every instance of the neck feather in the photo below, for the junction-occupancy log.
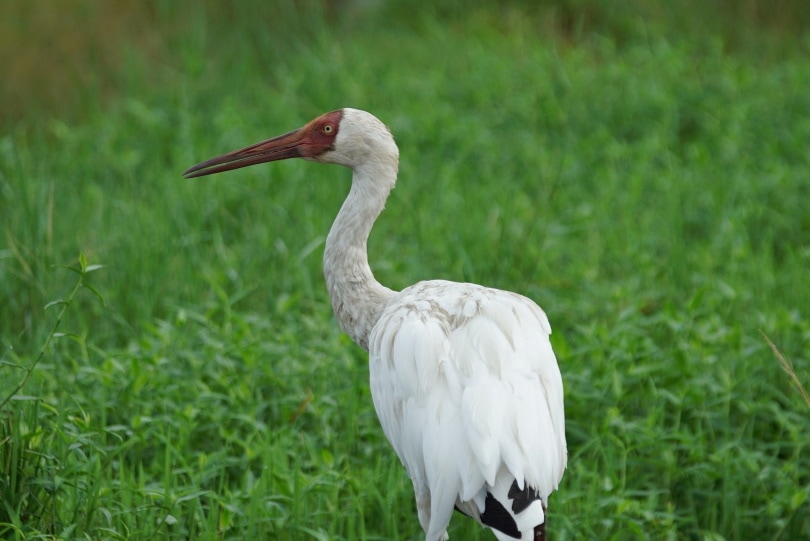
(357, 297)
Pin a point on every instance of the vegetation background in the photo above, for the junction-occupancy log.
(640, 169)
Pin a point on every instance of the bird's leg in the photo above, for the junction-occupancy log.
(540, 529)
(422, 495)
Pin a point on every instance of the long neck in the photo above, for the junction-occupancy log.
(357, 297)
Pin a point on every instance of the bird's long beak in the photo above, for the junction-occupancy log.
(278, 148)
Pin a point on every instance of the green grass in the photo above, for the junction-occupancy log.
(647, 186)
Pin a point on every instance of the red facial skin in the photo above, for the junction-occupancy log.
(315, 138)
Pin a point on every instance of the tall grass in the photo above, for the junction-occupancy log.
(647, 188)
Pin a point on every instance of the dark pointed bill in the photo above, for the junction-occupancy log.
(278, 148)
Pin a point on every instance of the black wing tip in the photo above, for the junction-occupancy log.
(521, 499)
(497, 517)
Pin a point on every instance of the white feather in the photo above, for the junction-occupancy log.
(469, 394)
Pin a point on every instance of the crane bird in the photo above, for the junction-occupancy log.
(463, 377)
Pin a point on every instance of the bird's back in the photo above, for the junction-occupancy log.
(470, 396)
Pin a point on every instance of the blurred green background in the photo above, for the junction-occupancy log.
(639, 168)
(59, 54)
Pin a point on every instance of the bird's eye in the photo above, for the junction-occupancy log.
(328, 128)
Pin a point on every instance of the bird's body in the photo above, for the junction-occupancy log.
(466, 388)
(463, 377)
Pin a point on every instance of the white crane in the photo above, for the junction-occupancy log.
(463, 377)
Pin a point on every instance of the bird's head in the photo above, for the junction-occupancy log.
(347, 137)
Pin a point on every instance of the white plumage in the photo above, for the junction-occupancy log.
(469, 394)
(463, 377)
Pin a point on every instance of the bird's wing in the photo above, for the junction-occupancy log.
(466, 386)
